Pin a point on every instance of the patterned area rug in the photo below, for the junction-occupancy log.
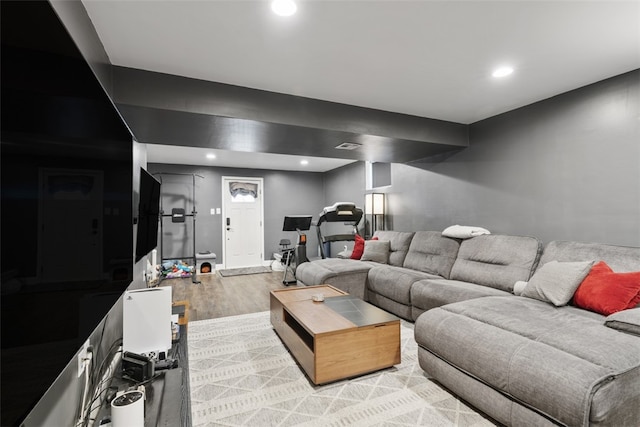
(242, 375)
(244, 271)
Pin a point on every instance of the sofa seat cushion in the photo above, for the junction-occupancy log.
(346, 274)
(430, 293)
(626, 321)
(395, 282)
(561, 361)
(431, 253)
(498, 261)
(319, 271)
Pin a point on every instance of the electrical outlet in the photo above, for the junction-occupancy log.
(82, 355)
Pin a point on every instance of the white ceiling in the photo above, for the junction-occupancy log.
(425, 58)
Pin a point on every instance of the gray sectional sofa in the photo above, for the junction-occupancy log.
(520, 360)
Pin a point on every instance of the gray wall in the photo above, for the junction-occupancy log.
(285, 193)
(564, 168)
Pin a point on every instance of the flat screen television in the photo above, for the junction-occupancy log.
(67, 206)
(148, 214)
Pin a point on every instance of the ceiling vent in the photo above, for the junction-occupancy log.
(348, 146)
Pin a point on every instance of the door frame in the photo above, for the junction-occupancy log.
(224, 188)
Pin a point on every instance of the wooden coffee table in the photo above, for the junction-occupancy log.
(338, 338)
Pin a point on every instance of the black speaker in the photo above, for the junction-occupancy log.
(136, 367)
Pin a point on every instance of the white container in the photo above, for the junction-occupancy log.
(127, 410)
(146, 321)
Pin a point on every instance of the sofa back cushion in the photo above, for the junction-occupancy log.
(498, 261)
(398, 245)
(432, 253)
(621, 259)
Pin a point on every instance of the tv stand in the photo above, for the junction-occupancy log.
(167, 396)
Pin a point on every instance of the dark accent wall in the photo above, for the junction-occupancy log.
(285, 193)
(564, 168)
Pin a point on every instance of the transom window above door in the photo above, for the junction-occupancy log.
(243, 192)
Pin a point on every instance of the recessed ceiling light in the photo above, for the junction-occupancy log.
(211, 156)
(502, 72)
(304, 162)
(284, 7)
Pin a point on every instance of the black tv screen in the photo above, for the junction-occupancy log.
(67, 205)
(297, 222)
(148, 214)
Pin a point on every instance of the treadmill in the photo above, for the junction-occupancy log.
(346, 212)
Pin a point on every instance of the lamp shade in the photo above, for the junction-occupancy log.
(378, 204)
(374, 203)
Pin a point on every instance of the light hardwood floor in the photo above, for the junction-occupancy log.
(218, 296)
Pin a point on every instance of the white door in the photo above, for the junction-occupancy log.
(242, 222)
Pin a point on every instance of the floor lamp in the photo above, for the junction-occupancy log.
(374, 206)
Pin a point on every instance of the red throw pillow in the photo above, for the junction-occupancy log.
(606, 292)
(358, 247)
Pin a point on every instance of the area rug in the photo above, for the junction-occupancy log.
(242, 375)
(244, 271)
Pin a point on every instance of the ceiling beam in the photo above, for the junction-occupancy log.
(168, 109)
(170, 127)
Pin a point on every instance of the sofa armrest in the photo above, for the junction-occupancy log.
(626, 321)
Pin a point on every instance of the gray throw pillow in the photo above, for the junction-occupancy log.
(376, 250)
(556, 282)
(626, 321)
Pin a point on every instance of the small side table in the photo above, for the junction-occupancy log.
(181, 308)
